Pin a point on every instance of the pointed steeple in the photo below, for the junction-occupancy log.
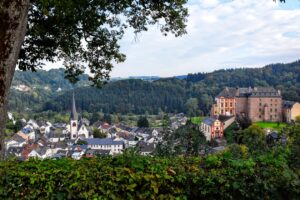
(74, 115)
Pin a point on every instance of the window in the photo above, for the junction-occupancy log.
(259, 116)
(275, 109)
(230, 104)
(271, 117)
(260, 104)
(226, 104)
(271, 110)
(222, 104)
(271, 99)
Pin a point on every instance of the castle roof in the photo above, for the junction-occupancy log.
(249, 92)
(228, 92)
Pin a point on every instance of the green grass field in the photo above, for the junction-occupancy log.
(271, 125)
(196, 120)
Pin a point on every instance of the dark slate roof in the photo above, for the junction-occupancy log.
(264, 92)
(14, 150)
(105, 141)
(224, 118)
(18, 138)
(228, 92)
(288, 104)
(41, 150)
(145, 147)
(209, 121)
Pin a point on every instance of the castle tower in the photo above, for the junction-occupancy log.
(73, 120)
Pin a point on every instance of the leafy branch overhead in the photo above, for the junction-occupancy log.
(85, 33)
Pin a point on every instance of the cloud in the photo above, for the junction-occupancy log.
(221, 34)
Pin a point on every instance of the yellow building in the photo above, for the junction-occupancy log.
(290, 110)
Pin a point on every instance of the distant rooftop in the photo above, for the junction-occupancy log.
(230, 92)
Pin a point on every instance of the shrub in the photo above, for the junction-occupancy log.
(219, 176)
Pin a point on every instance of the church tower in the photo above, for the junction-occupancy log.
(73, 120)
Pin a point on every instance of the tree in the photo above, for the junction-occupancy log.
(98, 134)
(254, 138)
(107, 118)
(165, 143)
(243, 121)
(143, 122)
(95, 117)
(192, 107)
(297, 119)
(189, 140)
(56, 29)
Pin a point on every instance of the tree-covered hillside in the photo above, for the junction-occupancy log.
(285, 77)
(54, 78)
(139, 96)
(126, 96)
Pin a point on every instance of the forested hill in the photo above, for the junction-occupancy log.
(285, 77)
(54, 79)
(139, 96)
(126, 96)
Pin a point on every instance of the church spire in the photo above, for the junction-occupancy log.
(74, 115)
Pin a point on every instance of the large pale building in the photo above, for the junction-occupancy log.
(258, 103)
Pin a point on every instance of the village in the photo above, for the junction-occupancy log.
(78, 139)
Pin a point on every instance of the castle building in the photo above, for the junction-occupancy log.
(258, 103)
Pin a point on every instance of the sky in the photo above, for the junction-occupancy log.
(221, 34)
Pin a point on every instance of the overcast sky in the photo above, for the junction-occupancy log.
(221, 34)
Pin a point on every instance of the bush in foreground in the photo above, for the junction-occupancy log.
(229, 175)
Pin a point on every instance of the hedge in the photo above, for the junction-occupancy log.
(220, 176)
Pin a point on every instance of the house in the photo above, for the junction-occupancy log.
(104, 127)
(27, 150)
(14, 151)
(290, 111)
(27, 133)
(55, 135)
(258, 103)
(39, 152)
(77, 151)
(32, 123)
(77, 155)
(45, 127)
(91, 153)
(145, 148)
(212, 128)
(15, 141)
(115, 147)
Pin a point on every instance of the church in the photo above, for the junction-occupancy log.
(77, 127)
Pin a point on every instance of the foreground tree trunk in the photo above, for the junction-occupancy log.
(13, 22)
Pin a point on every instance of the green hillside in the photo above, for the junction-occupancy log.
(140, 96)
